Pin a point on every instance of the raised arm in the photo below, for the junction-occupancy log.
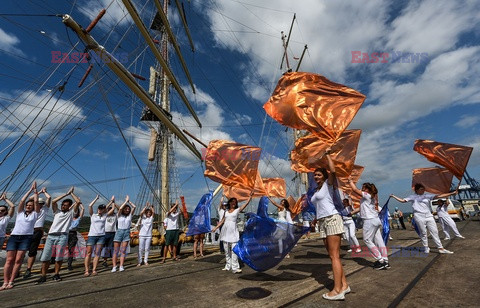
(90, 206)
(275, 203)
(245, 205)
(354, 187)
(173, 208)
(82, 210)
(152, 208)
(331, 167)
(48, 200)
(55, 200)
(21, 205)
(77, 201)
(447, 194)
(398, 199)
(134, 207)
(123, 205)
(112, 203)
(11, 206)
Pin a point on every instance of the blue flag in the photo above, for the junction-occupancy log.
(383, 215)
(200, 221)
(266, 241)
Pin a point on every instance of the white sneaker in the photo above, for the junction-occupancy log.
(237, 271)
(461, 236)
(447, 239)
(225, 269)
(121, 269)
(358, 250)
(349, 250)
(445, 251)
(114, 269)
(427, 250)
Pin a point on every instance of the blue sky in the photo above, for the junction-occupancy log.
(235, 68)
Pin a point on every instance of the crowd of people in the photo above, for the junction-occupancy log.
(110, 226)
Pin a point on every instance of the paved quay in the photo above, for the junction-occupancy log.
(415, 280)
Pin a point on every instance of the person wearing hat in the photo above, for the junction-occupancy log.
(96, 234)
(57, 239)
(38, 231)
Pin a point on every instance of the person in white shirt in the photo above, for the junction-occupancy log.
(330, 226)
(446, 221)
(57, 239)
(96, 234)
(21, 236)
(6, 213)
(284, 215)
(230, 235)
(372, 224)
(172, 232)
(349, 226)
(110, 230)
(423, 215)
(122, 236)
(38, 231)
(73, 235)
(145, 223)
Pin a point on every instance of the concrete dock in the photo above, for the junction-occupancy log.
(414, 280)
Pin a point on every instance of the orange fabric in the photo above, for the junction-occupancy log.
(232, 164)
(291, 201)
(299, 205)
(436, 180)
(310, 150)
(243, 194)
(275, 187)
(451, 156)
(314, 103)
(345, 186)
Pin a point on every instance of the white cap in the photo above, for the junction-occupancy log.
(40, 200)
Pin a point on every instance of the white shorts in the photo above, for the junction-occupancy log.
(330, 225)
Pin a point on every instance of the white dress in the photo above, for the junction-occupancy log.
(229, 231)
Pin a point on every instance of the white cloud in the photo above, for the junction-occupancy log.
(467, 121)
(10, 42)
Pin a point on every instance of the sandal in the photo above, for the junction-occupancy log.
(9, 285)
(86, 274)
(163, 261)
(139, 264)
(3, 287)
(94, 273)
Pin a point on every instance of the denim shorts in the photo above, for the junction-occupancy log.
(95, 240)
(19, 242)
(55, 247)
(122, 235)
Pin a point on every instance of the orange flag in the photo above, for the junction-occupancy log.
(451, 156)
(345, 186)
(309, 153)
(436, 180)
(291, 201)
(232, 164)
(314, 103)
(275, 187)
(243, 194)
(296, 208)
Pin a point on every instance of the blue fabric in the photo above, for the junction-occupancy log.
(200, 221)
(383, 215)
(310, 212)
(266, 241)
(414, 224)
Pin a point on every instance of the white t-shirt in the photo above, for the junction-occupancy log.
(61, 222)
(41, 217)
(442, 211)
(111, 224)
(172, 220)
(24, 224)
(97, 225)
(124, 222)
(147, 224)
(367, 207)
(3, 225)
(322, 199)
(421, 203)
